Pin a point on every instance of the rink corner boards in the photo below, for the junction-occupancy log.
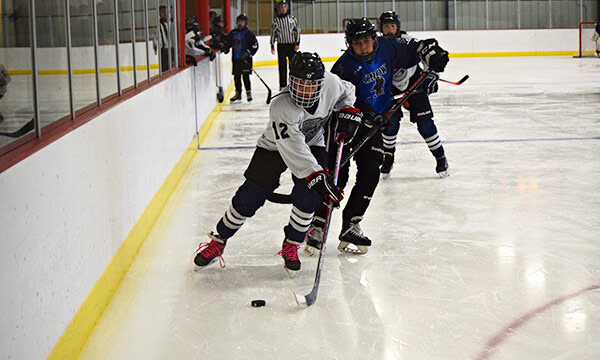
(74, 338)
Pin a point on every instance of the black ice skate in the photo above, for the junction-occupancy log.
(352, 239)
(289, 253)
(442, 167)
(236, 98)
(388, 164)
(207, 253)
(314, 238)
(249, 95)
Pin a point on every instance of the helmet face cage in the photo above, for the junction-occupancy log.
(307, 74)
(305, 93)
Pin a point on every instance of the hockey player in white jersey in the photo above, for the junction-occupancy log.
(418, 104)
(294, 139)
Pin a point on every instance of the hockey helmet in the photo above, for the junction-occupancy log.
(389, 17)
(242, 17)
(357, 29)
(307, 74)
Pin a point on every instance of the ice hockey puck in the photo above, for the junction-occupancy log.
(258, 303)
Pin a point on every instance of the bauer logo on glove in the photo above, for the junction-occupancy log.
(320, 182)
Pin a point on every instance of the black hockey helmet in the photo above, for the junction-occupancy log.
(242, 17)
(389, 17)
(307, 74)
(357, 29)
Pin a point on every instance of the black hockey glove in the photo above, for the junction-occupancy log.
(432, 55)
(246, 55)
(430, 83)
(348, 120)
(320, 182)
(372, 118)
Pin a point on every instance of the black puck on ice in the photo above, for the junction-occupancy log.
(258, 303)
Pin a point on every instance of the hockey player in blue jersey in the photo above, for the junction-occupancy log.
(244, 45)
(369, 63)
(417, 104)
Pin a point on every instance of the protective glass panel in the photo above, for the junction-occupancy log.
(82, 51)
(16, 80)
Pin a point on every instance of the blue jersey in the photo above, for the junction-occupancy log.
(373, 80)
(240, 41)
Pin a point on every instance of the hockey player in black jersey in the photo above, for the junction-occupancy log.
(294, 138)
(369, 63)
(417, 104)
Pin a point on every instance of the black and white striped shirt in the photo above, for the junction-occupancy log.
(285, 30)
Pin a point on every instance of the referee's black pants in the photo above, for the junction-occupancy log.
(284, 52)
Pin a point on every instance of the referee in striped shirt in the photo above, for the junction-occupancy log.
(286, 32)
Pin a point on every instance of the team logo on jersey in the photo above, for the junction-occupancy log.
(378, 77)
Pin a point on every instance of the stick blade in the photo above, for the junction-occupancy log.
(463, 79)
(301, 300)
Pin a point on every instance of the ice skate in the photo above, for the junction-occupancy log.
(388, 164)
(289, 253)
(249, 95)
(314, 239)
(207, 253)
(442, 167)
(352, 239)
(236, 98)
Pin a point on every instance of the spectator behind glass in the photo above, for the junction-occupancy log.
(161, 39)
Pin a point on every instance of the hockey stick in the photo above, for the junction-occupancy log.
(311, 298)
(22, 131)
(287, 198)
(456, 83)
(265, 84)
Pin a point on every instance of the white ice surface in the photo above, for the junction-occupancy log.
(499, 261)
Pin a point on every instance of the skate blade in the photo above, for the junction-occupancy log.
(350, 248)
(444, 174)
(385, 176)
(310, 250)
(199, 268)
(291, 273)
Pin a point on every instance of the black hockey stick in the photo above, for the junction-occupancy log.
(311, 298)
(265, 84)
(458, 82)
(22, 131)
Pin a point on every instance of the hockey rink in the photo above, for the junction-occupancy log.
(501, 260)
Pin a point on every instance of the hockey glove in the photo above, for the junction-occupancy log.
(430, 83)
(372, 118)
(348, 120)
(319, 182)
(432, 55)
(246, 55)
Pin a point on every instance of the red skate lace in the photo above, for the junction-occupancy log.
(289, 251)
(211, 250)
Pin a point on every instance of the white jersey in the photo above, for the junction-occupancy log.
(292, 130)
(192, 50)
